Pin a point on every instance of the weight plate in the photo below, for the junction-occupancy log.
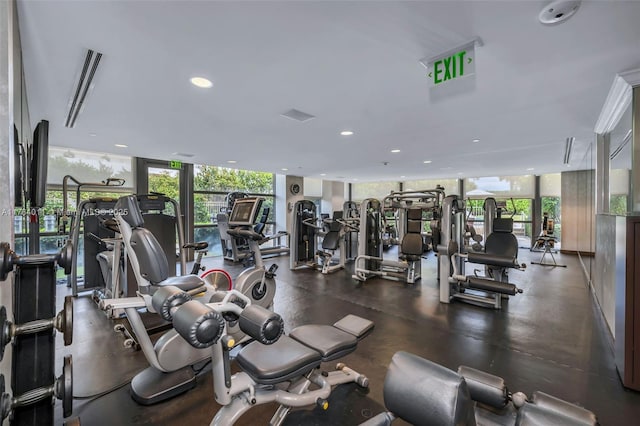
(5, 332)
(5, 261)
(67, 394)
(67, 329)
(65, 258)
(218, 279)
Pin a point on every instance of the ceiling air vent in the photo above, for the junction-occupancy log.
(568, 146)
(183, 154)
(298, 115)
(82, 87)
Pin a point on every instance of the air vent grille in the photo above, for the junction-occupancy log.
(298, 115)
(82, 86)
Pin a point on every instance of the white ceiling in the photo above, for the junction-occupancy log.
(354, 65)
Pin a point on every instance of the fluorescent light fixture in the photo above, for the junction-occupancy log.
(402, 177)
(475, 140)
(568, 145)
(231, 161)
(121, 145)
(530, 169)
(346, 133)
(355, 179)
(427, 161)
(323, 174)
(460, 173)
(93, 135)
(201, 82)
(284, 169)
(395, 151)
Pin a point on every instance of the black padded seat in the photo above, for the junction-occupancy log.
(411, 247)
(284, 360)
(328, 340)
(184, 282)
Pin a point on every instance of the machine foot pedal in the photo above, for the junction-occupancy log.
(152, 386)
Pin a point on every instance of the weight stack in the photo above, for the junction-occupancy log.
(34, 354)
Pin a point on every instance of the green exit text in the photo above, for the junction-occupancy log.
(449, 68)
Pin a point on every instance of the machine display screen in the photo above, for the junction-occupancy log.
(244, 211)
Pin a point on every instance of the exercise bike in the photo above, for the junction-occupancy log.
(275, 368)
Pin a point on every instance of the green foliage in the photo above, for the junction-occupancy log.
(165, 183)
(618, 204)
(551, 205)
(212, 178)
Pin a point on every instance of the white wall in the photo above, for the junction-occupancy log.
(285, 200)
(333, 196)
(7, 49)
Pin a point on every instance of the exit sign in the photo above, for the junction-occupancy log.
(175, 164)
(452, 64)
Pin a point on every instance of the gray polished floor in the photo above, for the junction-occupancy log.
(551, 338)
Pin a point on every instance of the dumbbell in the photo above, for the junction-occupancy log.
(63, 322)
(9, 259)
(62, 389)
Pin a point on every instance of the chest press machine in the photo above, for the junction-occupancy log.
(500, 254)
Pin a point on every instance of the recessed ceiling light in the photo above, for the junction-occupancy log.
(284, 169)
(530, 168)
(323, 174)
(402, 177)
(346, 133)
(475, 140)
(93, 135)
(201, 82)
(355, 178)
(460, 173)
(395, 151)
(427, 161)
(231, 161)
(121, 145)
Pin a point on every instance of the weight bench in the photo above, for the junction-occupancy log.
(422, 392)
(275, 368)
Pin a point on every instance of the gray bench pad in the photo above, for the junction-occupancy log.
(283, 360)
(330, 342)
(184, 282)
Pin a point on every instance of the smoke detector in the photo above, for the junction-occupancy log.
(558, 11)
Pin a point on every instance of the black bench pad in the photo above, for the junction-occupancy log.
(281, 361)
(330, 342)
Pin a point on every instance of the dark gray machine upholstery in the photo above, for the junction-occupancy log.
(285, 359)
(484, 387)
(501, 241)
(424, 393)
(152, 260)
(128, 208)
(411, 246)
(565, 408)
(330, 342)
(304, 349)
